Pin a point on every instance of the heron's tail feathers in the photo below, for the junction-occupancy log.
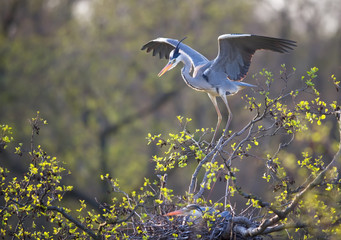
(242, 85)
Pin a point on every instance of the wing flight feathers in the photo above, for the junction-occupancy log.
(164, 46)
(236, 50)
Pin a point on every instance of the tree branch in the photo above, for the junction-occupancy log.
(245, 231)
(73, 220)
(265, 225)
(222, 142)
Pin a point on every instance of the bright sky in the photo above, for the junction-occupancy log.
(325, 15)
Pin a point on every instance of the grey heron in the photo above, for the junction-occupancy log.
(194, 213)
(221, 76)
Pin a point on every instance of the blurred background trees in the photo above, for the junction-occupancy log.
(79, 63)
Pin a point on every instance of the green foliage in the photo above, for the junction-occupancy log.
(27, 198)
(306, 184)
(81, 65)
(85, 73)
(300, 120)
(180, 148)
(32, 200)
(5, 134)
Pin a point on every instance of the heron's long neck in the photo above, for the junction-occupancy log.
(197, 83)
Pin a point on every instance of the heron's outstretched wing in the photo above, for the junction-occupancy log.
(163, 47)
(236, 50)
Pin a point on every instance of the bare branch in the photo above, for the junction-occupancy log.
(247, 231)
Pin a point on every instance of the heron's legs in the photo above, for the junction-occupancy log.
(229, 119)
(214, 101)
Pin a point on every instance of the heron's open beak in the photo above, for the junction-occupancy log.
(178, 212)
(165, 69)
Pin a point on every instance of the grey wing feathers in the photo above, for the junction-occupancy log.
(163, 47)
(236, 50)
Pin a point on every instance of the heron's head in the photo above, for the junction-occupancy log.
(174, 59)
(192, 209)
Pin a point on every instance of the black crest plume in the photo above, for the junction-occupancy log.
(176, 50)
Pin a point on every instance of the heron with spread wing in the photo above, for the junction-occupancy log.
(223, 75)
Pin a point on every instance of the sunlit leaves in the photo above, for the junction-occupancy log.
(212, 170)
(33, 193)
(268, 75)
(179, 147)
(5, 136)
(336, 82)
(289, 116)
